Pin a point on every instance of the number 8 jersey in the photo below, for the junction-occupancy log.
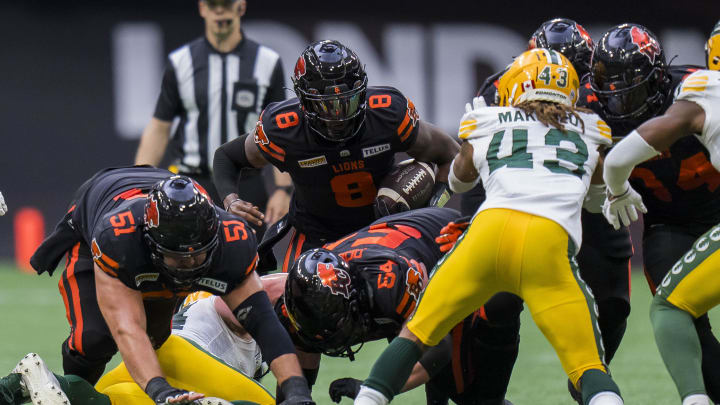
(529, 167)
(336, 182)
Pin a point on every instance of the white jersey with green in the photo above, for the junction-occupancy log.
(529, 167)
(703, 88)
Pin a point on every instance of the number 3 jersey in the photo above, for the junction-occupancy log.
(529, 167)
(336, 183)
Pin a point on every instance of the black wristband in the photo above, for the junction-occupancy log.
(288, 189)
(157, 387)
(295, 386)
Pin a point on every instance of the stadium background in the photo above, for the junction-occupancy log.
(79, 79)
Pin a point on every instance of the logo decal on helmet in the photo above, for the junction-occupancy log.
(152, 215)
(300, 67)
(337, 280)
(645, 43)
(202, 190)
(95, 250)
(584, 34)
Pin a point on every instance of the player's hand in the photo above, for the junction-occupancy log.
(623, 208)
(344, 387)
(477, 102)
(243, 209)
(278, 205)
(450, 233)
(3, 206)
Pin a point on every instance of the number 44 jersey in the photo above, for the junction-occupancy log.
(530, 167)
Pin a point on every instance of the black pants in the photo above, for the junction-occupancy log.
(90, 344)
(663, 245)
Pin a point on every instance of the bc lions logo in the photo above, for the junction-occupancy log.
(584, 34)
(645, 43)
(201, 189)
(152, 215)
(300, 67)
(95, 250)
(337, 280)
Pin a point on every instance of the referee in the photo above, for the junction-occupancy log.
(217, 85)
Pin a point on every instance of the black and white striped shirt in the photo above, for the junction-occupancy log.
(217, 96)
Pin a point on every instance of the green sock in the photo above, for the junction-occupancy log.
(595, 381)
(679, 346)
(80, 392)
(393, 367)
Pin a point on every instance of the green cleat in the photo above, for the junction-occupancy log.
(11, 390)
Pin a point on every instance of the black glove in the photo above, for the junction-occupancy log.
(296, 391)
(161, 392)
(344, 387)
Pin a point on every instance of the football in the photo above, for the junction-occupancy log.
(408, 186)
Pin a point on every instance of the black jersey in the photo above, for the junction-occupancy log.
(680, 186)
(107, 215)
(336, 183)
(394, 255)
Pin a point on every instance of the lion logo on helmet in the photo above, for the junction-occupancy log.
(300, 67)
(337, 280)
(646, 44)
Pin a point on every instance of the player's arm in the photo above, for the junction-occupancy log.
(230, 159)
(463, 174)
(123, 311)
(153, 142)
(279, 202)
(434, 145)
(253, 310)
(157, 132)
(683, 118)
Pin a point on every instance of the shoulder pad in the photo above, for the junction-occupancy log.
(279, 123)
(700, 83)
(478, 123)
(596, 128)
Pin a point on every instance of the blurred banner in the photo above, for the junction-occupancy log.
(79, 79)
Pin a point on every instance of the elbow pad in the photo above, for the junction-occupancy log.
(257, 316)
(457, 185)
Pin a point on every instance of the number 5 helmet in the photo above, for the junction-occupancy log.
(181, 229)
(567, 37)
(629, 75)
(712, 49)
(539, 74)
(331, 83)
(326, 303)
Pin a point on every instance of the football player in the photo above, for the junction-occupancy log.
(527, 232)
(629, 84)
(139, 239)
(364, 286)
(689, 289)
(604, 258)
(337, 140)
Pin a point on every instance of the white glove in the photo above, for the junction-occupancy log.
(477, 102)
(3, 206)
(623, 208)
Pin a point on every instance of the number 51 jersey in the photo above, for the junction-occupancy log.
(529, 167)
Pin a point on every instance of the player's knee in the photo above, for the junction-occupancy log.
(97, 346)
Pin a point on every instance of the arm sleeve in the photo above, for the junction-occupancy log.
(168, 104)
(228, 162)
(276, 91)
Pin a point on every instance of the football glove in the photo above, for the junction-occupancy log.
(477, 103)
(450, 233)
(623, 208)
(296, 391)
(344, 387)
(3, 206)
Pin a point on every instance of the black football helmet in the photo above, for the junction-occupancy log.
(331, 84)
(326, 303)
(180, 224)
(567, 37)
(629, 75)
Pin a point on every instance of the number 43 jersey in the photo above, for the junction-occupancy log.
(529, 167)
